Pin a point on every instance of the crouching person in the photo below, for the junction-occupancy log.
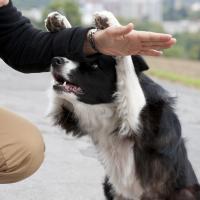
(21, 147)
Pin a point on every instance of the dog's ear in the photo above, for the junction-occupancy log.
(65, 118)
(139, 63)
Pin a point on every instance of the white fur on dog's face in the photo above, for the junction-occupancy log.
(63, 71)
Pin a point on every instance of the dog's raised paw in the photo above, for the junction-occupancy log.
(105, 19)
(56, 22)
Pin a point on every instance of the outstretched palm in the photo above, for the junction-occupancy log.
(124, 40)
(3, 2)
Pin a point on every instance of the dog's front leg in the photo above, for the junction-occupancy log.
(130, 98)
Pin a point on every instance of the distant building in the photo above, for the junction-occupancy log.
(181, 26)
(34, 14)
(134, 9)
(178, 4)
(195, 7)
(138, 9)
(88, 8)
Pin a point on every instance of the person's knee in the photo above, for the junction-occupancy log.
(22, 157)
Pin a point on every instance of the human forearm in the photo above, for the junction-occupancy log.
(28, 49)
(17, 41)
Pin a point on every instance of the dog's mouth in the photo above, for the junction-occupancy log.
(65, 85)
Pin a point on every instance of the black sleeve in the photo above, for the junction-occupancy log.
(30, 50)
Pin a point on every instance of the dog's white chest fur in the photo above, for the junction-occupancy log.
(117, 156)
(115, 152)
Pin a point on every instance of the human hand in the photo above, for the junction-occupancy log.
(124, 40)
(3, 2)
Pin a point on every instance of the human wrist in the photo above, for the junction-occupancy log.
(98, 44)
(3, 3)
(104, 42)
(87, 47)
(92, 40)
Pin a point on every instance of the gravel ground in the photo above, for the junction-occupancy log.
(70, 170)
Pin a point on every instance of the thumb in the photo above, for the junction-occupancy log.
(121, 30)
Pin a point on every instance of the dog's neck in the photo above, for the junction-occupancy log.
(96, 118)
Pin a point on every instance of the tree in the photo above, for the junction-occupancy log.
(170, 13)
(188, 46)
(143, 25)
(69, 8)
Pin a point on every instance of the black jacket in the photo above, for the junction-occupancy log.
(30, 50)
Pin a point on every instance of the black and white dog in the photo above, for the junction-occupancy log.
(130, 119)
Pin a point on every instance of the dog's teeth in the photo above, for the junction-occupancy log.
(65, 83)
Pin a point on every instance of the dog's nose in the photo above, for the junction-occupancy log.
(57, 61)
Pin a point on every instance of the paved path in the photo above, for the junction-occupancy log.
(71, 170)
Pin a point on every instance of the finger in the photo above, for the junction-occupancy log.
(172, 41)
(156, 47)
(151, 36)
(121, 30)
(156, 43)
(151, 52)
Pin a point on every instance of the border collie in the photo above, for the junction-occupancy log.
(130, 119)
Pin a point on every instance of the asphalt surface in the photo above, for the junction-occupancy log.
(71, 170)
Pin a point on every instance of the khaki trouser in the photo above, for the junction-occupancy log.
(21, 147)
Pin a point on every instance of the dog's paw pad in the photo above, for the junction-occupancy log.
(105, 19)
(56, 22)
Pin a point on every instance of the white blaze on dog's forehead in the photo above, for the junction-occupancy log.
(68, 68)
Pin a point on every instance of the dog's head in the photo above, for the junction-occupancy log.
(91, 83)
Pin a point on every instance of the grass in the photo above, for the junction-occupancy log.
(189, 81)
(185, 72)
